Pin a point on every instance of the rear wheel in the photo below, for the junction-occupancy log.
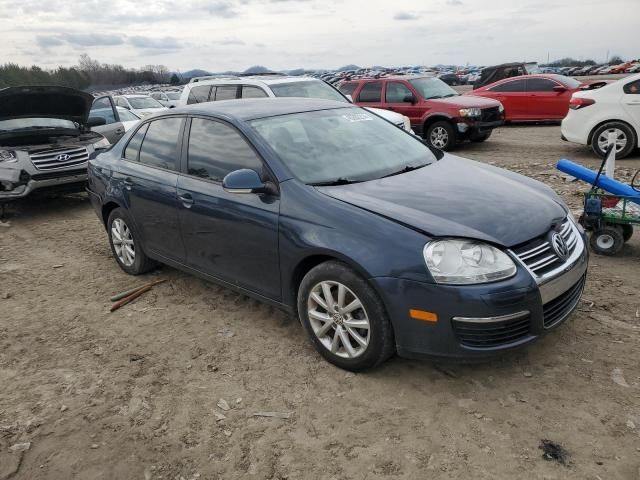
(625, 139)
(607, 240)
(441, 135)
(125, 244)
(627, 232)
(344, 317)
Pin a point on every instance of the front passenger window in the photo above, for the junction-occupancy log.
(160, 145)
(216, 149)
(252, 92)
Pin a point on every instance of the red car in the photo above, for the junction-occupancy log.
(437, 112)
(533, 97)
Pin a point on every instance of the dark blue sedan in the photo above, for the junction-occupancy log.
(376, 242)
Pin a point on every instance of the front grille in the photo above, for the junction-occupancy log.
(69, 157)
(559, 308)
(493, 334)
(540, 257)
(490, 114)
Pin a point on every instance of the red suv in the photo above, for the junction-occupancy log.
(437, 112)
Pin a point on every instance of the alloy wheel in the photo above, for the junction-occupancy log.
(123, 242)
(439, 137)
(338, 319)
(621, 139)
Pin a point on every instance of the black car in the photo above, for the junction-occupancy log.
(451, 79)
(377, 243)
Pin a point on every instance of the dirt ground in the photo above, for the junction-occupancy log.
(136, 394)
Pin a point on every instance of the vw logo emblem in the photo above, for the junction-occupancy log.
(63, 157)
(559, 246)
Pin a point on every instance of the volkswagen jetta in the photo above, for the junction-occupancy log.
(378, 243)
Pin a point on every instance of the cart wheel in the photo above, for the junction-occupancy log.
(627, 232)
(607, 240)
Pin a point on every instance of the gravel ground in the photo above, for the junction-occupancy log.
(168, 387)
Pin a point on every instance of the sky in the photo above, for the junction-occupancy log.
(220, 35)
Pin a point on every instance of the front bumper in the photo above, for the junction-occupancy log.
(480, 320)
(24, 185)
(469, 128)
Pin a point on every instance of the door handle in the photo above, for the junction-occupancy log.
(390, 108)
(128, 183)
(186, 199)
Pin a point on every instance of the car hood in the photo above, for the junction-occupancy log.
(465, 101)
(455, 197)
(393, 117)
(45, 102)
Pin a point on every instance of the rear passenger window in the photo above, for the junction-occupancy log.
(371, 92)
(215, 149)
(133, 147)
(160, 145)
(199, 94)
(252, 92)
(540, 85)
(228, 92)
(513, 86)
(348, 88)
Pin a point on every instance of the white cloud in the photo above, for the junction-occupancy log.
(220, 35)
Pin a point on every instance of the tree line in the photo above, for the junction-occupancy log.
(572, 62)
(87, 74)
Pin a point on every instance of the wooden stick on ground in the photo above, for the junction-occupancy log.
(122, 295)
(130, 298)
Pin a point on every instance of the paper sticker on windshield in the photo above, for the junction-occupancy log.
(357, 117)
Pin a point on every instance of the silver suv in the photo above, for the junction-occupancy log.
(216, 88)
(45, 141)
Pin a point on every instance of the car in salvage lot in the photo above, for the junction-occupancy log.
(611, 110)
(292, 201)
(438, 113)
(537, 98)
(45, 139)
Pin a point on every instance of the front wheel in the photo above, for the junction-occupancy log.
(607, 240)
(441, 135)
(344, 317)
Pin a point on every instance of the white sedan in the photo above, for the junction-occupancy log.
(141, 105)
(613, 109)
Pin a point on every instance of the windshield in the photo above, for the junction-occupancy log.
(127, 115)
(341, 145)
(144, 102)
(173, 95)
(433, 88)
(307, 89)
(20, 123)
(568, 81)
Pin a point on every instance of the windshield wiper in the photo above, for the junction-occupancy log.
(434, 97)
(451, 95)
(332, 183)
(408, 168)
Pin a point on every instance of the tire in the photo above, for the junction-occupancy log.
(441, 135)
(627, 232)
(607, 240)
(376, 342)
(119, 222)
(625, 134)
(481, 138)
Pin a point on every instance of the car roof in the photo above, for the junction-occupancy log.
(252, 109)
(254, 80)
(133, 96)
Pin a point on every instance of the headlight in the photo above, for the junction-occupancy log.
(103, 143)
(464, 262)
(470, 112)
(501, 108)
(407, 123)
(7, 156)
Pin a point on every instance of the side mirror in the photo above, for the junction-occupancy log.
(244, 181)
(559, 89)
(96, 121)
(409, 99)
(350, 98)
